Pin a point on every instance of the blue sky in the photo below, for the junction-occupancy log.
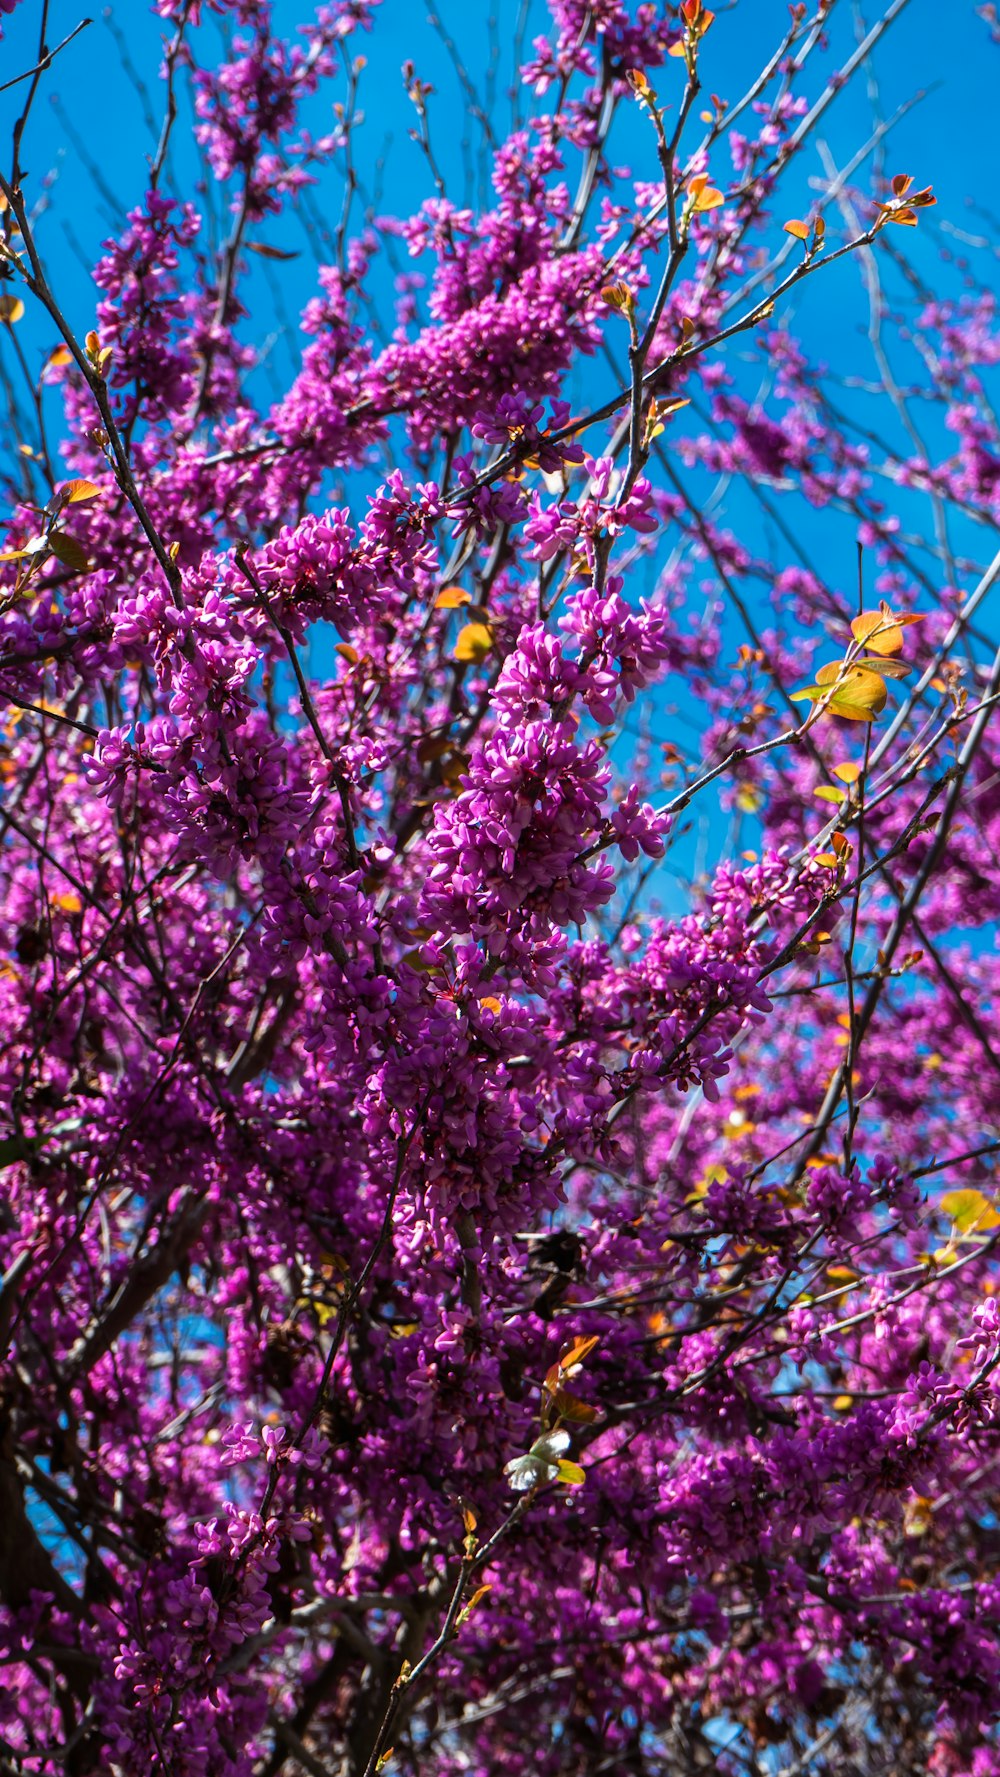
(88, 113)
(93, 129)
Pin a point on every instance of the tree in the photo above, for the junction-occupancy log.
(464, 1311)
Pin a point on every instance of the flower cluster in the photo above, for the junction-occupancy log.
(497, 1093)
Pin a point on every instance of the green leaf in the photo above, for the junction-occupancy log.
(71, 553)
(569, 1406)
(18, 1147)
(886, 669)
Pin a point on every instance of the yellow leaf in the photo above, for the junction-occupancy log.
(712, 1175)
(58, 358)
(970, 1211)
(886, 669)
(737, 1127)
(11, 308)
(843, 1402)
(847, 773)
(451, 597)
(878, 631)
(474, 643)
(846, 691)
(917, 1516)
(571, 1474)
(827, 793)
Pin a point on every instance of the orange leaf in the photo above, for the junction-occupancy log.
(476, 1598)
(451, 597)
(799, 229)
(580, 1349)
(76, 492)
(703, 196)
(639, 84)
(618, 296)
